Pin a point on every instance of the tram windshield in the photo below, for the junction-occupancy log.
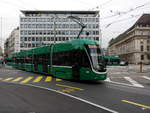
(96, 57)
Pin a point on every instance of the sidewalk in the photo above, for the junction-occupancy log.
(130, 70)
(136, 68)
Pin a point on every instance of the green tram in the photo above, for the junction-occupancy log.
(112, 60)
(75, 59)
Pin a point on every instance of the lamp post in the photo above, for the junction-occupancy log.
(54, 31)
(54, 17)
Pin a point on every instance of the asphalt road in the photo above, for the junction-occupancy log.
(25, 92)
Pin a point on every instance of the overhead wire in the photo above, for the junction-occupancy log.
(126, 12)
(12, 4)
(27, 4)
(125, 19)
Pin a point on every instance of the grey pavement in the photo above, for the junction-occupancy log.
(19, 98)
(130, 70)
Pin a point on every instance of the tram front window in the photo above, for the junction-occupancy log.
(96, 57)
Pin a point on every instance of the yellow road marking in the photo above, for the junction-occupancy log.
(141, 105)
(38, 79)
(68, 90)
(26, 80)
(58, 79)
(66, 86)
(48, 79)
(17, 79)
(8, 79)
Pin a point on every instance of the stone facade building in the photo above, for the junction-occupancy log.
(134, 44)
(12, 43)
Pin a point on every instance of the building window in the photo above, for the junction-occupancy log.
(141, 42)
(37, 38)
(22, 39)
(142, 48)
(29, 45)
(33, 38)
(33, 45)
(142, 57)
(148, 57)
(44, 38)
(29, 38)
(148, 48)
(25, 38)
(97, 38)
(48, 38)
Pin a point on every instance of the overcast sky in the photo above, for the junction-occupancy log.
(116, 15)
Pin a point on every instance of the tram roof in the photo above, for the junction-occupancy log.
(65, 46)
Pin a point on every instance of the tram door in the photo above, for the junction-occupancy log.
(45, 63)
(36, 63)
(76, 64)
(76, 71)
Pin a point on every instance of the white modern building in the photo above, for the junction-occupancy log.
(38, 28)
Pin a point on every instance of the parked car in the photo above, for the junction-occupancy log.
(146, 63)
(123, 63)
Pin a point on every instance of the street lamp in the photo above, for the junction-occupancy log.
(54, 17)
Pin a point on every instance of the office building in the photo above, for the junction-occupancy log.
(39, 28)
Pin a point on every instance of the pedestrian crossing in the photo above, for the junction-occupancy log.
(133, 82)
(30, 79)
(138, 81)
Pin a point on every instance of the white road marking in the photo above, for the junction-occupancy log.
(148, 78)
(108, 80)
(71, 96)
(120, 83)
(133, 82)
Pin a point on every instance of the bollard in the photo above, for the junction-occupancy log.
(141, 67)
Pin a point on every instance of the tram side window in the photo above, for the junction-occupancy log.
(85, 61)
(39, 59)
(45, 59)
(21, 60)
(81, 58)
(28, 59)
(35, 59)
(14, 59)
(71, 58)
(17, 60)
(62, 58)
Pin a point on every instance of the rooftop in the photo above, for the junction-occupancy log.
(57, 12)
